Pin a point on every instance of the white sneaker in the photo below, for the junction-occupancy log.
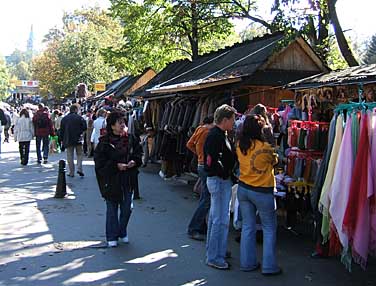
(112, 243)
(125, 239)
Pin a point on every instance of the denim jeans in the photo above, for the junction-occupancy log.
(264, 203)
(45, 149)
(219, 217)
(116, 224)
(198, 221)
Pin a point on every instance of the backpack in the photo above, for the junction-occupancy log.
(42, 121)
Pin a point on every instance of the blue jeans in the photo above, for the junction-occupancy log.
(264, 203)
(116, 225)
(46, 143)
(219, 217)
(198, 221)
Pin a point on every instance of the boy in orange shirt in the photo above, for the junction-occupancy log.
(197, 226)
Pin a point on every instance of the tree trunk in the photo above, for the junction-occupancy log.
(194, 25)
(341, 40)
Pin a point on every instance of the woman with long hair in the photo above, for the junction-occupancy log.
(24, 133)
(116, 157)
(256, 193)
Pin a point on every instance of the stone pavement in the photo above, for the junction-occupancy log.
(46, 241)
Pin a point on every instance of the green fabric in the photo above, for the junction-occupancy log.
(355, 134)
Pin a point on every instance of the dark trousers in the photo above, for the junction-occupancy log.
(24, 148)
(85, 143)
(45, 148)
(6, 134)
(198, 221)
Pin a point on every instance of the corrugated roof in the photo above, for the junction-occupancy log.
(241, 59)
(351, 75)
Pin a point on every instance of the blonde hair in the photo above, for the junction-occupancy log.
(224, 111)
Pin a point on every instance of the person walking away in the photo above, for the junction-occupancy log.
(197, 227)
(99, 124)
(219, 161)
(23, 134)
(57, 128)
(113, 167)
(72, 129)
(89, 131)
(7, 126)
(43, 128)
(3, 121)
(86, 117)
(256, 193)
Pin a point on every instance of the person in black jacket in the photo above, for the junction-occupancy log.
(219, 161)
(116, 158)
(71, 130)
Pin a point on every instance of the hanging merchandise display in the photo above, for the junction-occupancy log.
(347, 200)
(174, 120)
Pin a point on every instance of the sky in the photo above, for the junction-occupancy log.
(17, 16)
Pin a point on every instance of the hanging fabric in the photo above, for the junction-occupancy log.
(340, 189)
(356, 222)
(324, 199)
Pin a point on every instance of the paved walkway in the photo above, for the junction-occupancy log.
(46, 241)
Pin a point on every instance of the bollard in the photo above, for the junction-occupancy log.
(61, 187)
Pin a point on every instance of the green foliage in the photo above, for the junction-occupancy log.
(74, 54)
(335, 60)
(370, 54)
(4, 79)
(19, 65)
(156, 32)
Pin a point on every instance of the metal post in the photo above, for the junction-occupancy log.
(61, 187)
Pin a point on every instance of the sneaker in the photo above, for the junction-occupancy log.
(278, 272)
(197, 236)
(112, 243)
(125, 239)
(225, 266)
(161, 174)
(45, 161)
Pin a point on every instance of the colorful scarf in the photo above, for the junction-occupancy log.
(325, 193)
(356, 223)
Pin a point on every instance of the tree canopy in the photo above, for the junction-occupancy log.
(156, 32)
(4, 79)
(74, 53)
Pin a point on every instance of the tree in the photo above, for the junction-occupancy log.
(19, 65)
(370, 54)
(4, 79)
(74, 53)
(310, 17)
(341, 40)
(159, 31)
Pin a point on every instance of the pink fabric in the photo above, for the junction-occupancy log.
(356, 222)
(340, 188)
(372, 170)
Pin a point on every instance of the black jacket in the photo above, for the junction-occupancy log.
(3, 118)
(71, 129)
(111, 181)
(219, 154)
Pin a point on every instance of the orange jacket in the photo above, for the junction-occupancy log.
(197, 141)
